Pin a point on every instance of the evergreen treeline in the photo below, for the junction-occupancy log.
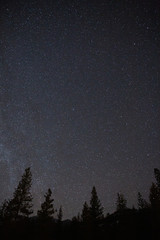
(16, 221)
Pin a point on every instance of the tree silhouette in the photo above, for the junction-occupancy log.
(155, 191)
(96, 209)
(47, 209)
(121, 202)
(142, 203)
(90, 224)
(155, 203)
(85, 216)
(154, 196)
(157, 177)
(3, 209)
(76, 219)
(60, 214)
(21, 203)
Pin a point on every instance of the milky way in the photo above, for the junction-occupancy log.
(79, 98)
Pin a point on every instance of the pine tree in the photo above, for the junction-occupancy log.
(96, 209)
(142, 203)
(155, 191)
(3, 210)
(121, 203)
(155, 202)
(85, 216)
(157, 177)
(76, 219)
(60, 214)
(155, 196)
(21, 203)
(47, 209)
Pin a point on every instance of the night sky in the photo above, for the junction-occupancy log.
(79, 98)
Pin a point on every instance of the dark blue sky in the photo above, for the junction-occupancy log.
(79, 98)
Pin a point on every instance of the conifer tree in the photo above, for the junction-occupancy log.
(96, 209)
(142, 203)
(76, 219)
(60, 214)
(155, 196)
(47, 209)
(85, 216)
(21, 203)
(121, 203)
(155, 191)
(3, 209)
(157, 177)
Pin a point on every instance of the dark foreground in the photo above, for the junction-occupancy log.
(126, 224)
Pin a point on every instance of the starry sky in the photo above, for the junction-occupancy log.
(79, 98)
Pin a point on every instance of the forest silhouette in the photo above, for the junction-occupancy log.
(17, 220)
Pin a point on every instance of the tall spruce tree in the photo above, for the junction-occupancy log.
(155, 191)
(157, 177)
(155, 197)
(142, 203)
(85, 216)
(60, 214)
(47, 209)
(21, 203)
(3, 210)
(96, 209)
(121, 202)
